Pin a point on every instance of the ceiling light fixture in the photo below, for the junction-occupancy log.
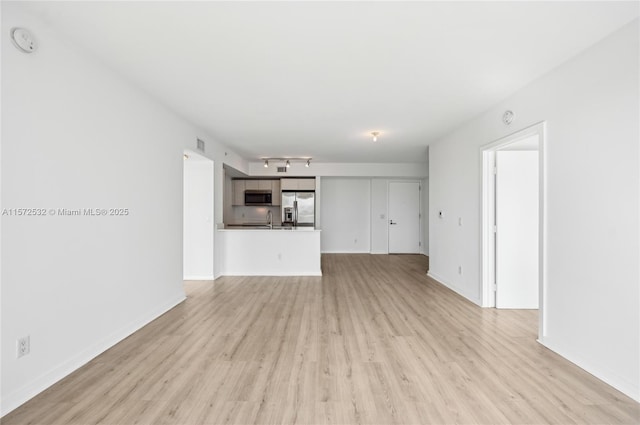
(185, 157)
(287, 161)
(375, 135)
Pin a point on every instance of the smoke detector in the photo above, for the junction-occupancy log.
(23, 40)
(507, 117)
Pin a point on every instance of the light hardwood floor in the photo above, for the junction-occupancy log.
(373, 341)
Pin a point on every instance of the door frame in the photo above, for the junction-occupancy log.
(488, 195)
(420, 212)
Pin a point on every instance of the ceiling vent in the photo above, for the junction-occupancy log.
(282, 169)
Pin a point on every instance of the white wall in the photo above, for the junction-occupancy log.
(591, 159)
(198, 218)
(74, 135)
(345, 214)
(355, 214)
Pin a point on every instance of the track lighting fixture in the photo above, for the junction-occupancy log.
(375, 135)
(287, 161)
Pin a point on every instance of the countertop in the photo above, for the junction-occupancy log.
(244, 227)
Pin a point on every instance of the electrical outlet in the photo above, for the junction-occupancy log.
(24, 346)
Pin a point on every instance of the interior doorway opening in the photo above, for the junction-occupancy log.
(198, 217)
(513, 222)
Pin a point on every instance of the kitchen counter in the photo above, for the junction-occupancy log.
(261, 251)
(243, 227)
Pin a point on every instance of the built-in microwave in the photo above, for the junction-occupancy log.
(257, 197)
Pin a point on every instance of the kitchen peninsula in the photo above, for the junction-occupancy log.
(293, 251)
(269, 228)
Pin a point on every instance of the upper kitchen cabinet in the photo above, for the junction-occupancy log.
(276, 193)
(238, 191)
(298, 184)
(251, 184)
(265, 185)
(257, 185)
(306, 184)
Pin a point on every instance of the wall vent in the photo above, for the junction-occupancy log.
(282, 169)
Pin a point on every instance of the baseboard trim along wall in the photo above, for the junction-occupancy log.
(455, 289)
(346, 252)
(602, 372)
(35, 387)
(198, 278)
(272, 274)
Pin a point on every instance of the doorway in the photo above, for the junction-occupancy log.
(198, 222)
(513, 221)
(404, 218)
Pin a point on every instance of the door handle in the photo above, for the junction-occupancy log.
(391, 222)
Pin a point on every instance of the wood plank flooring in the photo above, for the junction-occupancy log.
(373, 341)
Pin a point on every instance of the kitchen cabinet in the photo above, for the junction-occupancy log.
(264, 184)
(289, 184)
(238, 192)
(239, 186)
(251, 184)
(276, 193)
(257, 184)
(306, 184)
(298, 184)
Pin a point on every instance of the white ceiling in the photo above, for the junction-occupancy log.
(314, 78)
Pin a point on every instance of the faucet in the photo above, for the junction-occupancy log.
(270, 219)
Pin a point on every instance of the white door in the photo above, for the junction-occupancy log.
(404, 217)
(517, 229)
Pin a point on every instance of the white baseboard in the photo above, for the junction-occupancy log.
(602, 372)
(195, 277)
(454, 288)
(33, 388)
(345, 252)
(273, 274)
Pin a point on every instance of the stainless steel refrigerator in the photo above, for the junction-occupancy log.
(299, 208)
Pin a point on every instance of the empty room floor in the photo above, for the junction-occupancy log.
(373, 341)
